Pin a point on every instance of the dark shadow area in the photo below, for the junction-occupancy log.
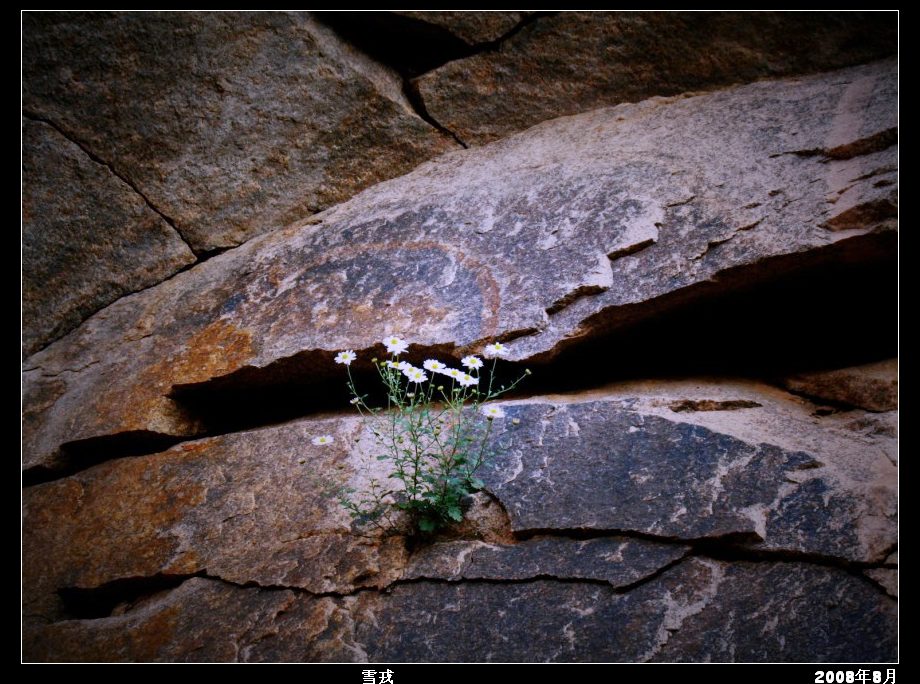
(122, 594)
(410, 46)
(840, 314)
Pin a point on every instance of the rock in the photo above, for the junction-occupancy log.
(244, 509)
(87, 237)
(768, 478)
(887, 578)
(202, 620)
(579, 227)
(240, 507)
(873, 387)
(619, 561)
(576, 61)
(473, 28)
(791, 612)
(230, 124)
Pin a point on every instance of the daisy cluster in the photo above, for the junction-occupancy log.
(396, 346)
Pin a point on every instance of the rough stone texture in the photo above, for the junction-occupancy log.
(576, 61)
(773, 477)
(619, 561)
(873, 387)
(243, 508)
(702, 610)
(637, 207)
(473, 28)
(231, 124)
(887, 578)
(87, 237)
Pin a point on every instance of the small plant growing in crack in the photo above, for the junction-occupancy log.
(432, 435)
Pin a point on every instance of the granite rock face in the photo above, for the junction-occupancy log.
(692, 612)
(619, 487)
(575, 61)
(231, 124)
(579, 226)
(88, 237)
(873, 387)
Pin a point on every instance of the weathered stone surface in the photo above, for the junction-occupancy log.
(576, 61)
(473, 28)
(873, 387)
(577, 226)
(627, 462)
(243, 507)
(702, 610)
(230, 123)
(620, 561)
(201, 621)
(87, 237)
(887, 578)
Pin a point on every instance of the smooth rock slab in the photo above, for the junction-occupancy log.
(87, 237)
(576, 61)
(232, 124)
(574, 228)
(701, 610)
(610, 465)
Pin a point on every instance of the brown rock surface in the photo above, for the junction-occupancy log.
(873, 387)
(244, 509)
(577, 226)
(576, 61)
(231, 124)
(791, 612)
(87, 237)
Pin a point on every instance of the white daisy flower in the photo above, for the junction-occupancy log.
(322, 439)
(433, 366)
(471, 362)
(345, 357)
(415, 375)
(453, 373)
(356, 400)
(496, 349)
(467, 380)
(395, 345)
(491, 412)
(398, 365)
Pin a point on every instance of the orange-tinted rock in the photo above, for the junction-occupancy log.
(574, 228)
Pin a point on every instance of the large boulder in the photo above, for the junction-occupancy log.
(230, 123)
(575, 61)
(87, 237)
(577, 227)
(597, 501)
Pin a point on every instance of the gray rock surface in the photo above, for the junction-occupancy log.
(701, 610)
(635, 207)
(576, 61)
(254, 508)
(231, 124)
(873, 387)
(87, 237)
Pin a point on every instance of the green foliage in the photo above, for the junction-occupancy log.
(432, 437)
